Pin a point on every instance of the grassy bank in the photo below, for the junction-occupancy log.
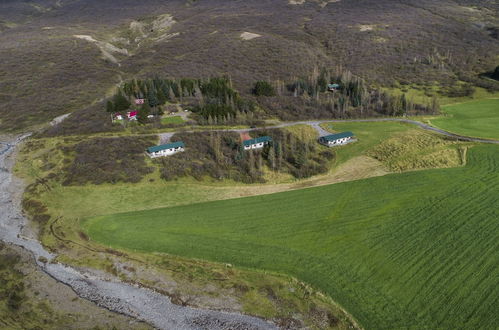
(31, 299)
(410, 250)
(77, 201)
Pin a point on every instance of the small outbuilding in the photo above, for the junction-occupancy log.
(165, 149)
(337, 139)
(333, 87)
(116, 117)
(257, 143)
(132, 115)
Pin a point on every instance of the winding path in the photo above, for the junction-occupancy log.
(134, 301)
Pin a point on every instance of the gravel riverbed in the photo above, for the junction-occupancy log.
(140, 303)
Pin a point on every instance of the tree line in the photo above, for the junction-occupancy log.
(214, 99)
(351, 97)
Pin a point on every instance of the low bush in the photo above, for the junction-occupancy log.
(108, 160)
(219, 155)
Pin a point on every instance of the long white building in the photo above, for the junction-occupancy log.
(337, 139)
(166, 149)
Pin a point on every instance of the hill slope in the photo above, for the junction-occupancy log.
(46, 71)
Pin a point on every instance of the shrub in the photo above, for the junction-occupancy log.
(220, 156)
(111, 160)
(263, 88)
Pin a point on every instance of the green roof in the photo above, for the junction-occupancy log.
(333, 86)
(334, 137)
(257, 140)
(173, 145)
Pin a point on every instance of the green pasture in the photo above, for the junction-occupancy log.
(172, 120)
(368, 134)
(412, 250)
(478, 118)
(423, 95)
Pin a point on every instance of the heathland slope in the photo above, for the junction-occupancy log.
(60, 56)
(417, 249)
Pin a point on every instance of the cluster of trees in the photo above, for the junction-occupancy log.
(214, 99)
(221, 103)
(353, 94)
(310, 97)
(221, 156)
(118, 103)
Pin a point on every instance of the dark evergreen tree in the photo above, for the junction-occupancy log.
(263, 88)
(144, 111)
(152, 98)
(110, 106)
(121, 103)
(161, 97)
(495, 74)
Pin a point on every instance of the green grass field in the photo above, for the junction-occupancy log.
(172, 120)
(478, 118)
(412, 250)
(368, 135)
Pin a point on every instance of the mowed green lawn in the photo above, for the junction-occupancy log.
(413, 250)
(172, 120)
(477, 118)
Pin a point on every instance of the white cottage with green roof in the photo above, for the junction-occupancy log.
(257, 143)
(166, 149)
(337, 139)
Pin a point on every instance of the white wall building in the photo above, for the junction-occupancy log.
(337, 139)
(165, 149)
(257, 143)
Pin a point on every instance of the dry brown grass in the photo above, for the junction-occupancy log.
(357, 168)
(416, 150)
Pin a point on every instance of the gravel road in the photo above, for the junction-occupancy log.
(165, 137)
(134, 301)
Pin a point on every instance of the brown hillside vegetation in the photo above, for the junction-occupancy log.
(45, 71)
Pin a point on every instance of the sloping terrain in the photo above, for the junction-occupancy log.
(46, 71)
(414, 250)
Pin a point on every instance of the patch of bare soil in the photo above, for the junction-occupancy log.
(322, 3)
(107, 49)
(249, 35)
